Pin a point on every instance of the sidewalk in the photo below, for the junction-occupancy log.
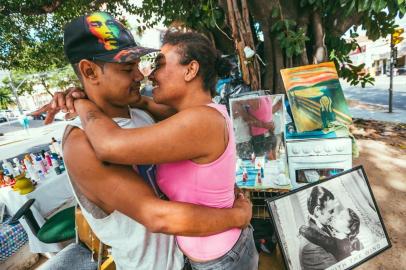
(375, 112)
(35, 133)
(16, 136)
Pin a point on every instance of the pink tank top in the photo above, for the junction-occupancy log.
(263, 113)
(209, 184)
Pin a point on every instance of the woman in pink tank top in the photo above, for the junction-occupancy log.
(195, 148)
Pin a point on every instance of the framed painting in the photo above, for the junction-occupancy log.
(330, 224)
(315, 96)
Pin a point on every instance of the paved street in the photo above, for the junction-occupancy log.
(15, 125)
(16, 140)
(378, 94)
(371, 102)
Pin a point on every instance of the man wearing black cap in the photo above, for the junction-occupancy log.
(105, 57)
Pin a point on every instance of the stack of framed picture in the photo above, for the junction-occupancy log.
(329, 224)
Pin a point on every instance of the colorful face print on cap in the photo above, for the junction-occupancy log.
(105, 28)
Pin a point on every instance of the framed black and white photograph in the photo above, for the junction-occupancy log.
(330, 224)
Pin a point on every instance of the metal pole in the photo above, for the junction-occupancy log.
(391, 75)
(20, 108)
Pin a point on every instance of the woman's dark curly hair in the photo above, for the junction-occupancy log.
(195, 46)
(354, 224)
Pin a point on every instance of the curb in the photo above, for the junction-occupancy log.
(11, 142)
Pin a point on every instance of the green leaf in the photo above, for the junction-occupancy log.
(275, 12)
(350, 8)
(344, 2)
(363, 5)
(382, 4)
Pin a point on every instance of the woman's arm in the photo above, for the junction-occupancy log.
(158, 111)
(192, 134)
(116, 187)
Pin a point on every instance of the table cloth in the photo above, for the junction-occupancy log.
(51, 195)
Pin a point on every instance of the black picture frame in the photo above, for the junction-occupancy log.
(313, 256)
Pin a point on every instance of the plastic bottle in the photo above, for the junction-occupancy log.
(52, 148)
(62, 164)
(18, 169)
(40, 164)
(8, 168)
(56, 146)
(56, 164)
(33, 175)
(48, 159)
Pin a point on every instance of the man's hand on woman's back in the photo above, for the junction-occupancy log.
(244, 204)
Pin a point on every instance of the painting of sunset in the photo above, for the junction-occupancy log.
(315, 96)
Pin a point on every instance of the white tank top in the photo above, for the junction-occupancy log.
(133, 246)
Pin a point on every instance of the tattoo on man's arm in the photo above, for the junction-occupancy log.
(91, 116)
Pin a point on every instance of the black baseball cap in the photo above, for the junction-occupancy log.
(99, 36)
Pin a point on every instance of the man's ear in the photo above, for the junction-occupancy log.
(316, 211)
(89, 71)
(192, 70)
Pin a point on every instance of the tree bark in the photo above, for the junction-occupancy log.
(242, 35)
(260, 11)
(320, 49)
(237, 41)
(278, 56)
(254, 66)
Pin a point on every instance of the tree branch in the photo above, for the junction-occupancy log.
(339, 24)
(41, 8)
(30, 9)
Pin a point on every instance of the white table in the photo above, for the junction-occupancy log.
(50, 194)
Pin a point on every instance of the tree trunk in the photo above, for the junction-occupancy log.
(236, 38)
(242, 35)
(278, 56)
(320, 49)
(254, 66)
(260, 11)
(303, 23)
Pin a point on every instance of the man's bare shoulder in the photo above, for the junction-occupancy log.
(72, 133)
(75, 143)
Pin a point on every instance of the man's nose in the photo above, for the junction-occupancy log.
(138, 76)
(151, 76)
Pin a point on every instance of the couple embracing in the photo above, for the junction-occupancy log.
(111, 149)
(331, 235)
